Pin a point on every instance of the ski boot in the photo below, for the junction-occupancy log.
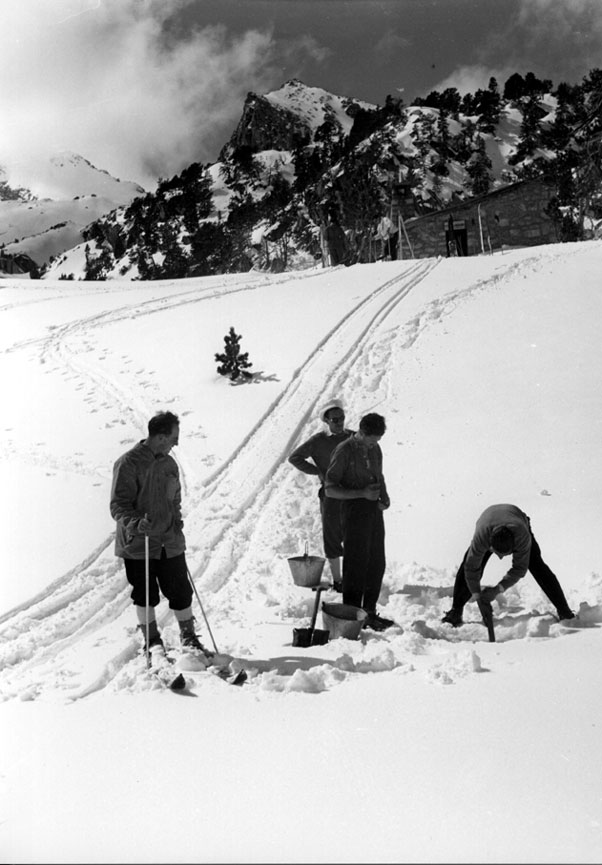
(374, 622)
(190, 641)
(154, 637)
(453, 617)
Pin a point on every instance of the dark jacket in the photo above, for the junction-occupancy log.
(318, 448)
(145, 483)
(354, 467)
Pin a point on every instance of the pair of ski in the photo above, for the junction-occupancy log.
(163, 667)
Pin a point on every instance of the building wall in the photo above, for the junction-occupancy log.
(513, 216)
(9, 265)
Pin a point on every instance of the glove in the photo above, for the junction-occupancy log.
(490, 592)
(144, 526)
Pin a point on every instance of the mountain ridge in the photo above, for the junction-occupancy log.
(46, 202)
(301, 156)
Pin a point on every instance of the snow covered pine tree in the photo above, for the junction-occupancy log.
(231, 361)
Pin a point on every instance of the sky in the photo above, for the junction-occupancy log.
(418, 744)
(142, 88)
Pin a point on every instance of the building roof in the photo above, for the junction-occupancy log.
(478, 199)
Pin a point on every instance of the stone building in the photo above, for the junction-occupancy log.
(511, 216)
(20, 265)
(10, 266)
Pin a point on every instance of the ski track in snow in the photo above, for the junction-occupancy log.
(93, 593)
(68, 642)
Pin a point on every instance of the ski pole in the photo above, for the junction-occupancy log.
(147, 590)
(202, 610)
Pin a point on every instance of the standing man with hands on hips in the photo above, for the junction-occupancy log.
(313, 457)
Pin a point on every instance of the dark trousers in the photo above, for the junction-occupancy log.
(542, 574)
(363, 553)
(331, 511)
(169, 575)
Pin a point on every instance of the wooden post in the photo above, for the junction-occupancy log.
(323, 247)
(406, 236)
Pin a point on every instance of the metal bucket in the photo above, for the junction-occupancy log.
(343, 620)
(306, 569)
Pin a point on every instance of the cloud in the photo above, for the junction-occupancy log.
(571, 30)
(468, 79)
(556, 39)
(104, 78)
(389, 47)
(560, 40)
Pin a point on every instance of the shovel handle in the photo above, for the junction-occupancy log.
(318, 590)
(146, 596)
(487, 614)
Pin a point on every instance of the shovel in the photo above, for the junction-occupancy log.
(312, 636)
(487, 614)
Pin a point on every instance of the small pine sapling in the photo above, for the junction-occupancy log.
(232, 362)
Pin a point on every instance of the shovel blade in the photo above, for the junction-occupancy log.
(305, 637)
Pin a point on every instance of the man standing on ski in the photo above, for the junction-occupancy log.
(318, 449)
(146, 500)
(355, 477)
(504, 530)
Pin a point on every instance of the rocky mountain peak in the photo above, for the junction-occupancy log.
(289, 117)
(265, 125)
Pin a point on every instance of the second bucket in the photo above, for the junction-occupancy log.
(306, 570)
(343, 620)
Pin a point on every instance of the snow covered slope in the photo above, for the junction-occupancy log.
(486, 371)
(452, 353)
(65, 175)
(59, 196)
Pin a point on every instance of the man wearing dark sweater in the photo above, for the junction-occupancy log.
(504, 530)
(313, 458)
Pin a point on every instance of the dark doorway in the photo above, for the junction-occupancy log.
(456, 242)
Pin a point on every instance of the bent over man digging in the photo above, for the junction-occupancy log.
(355, 476)
(146, 500)
(504, 530)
